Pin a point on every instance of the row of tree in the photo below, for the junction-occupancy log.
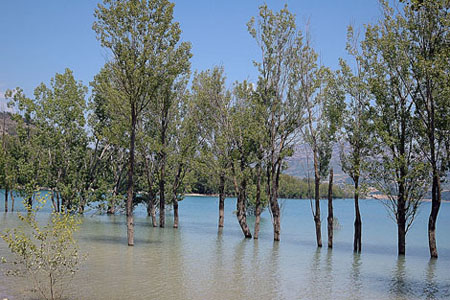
(149, 127)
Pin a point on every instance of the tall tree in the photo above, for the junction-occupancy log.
(280, 43)
(357, 127)
(425, 25)
(398, 168)
(323, 101)
(213, 103)
(143, 40)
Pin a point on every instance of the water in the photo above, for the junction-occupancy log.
(197, 261)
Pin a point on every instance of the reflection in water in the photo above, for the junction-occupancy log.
(355, 277)
(399, 287)
(430, 288)
(198, 261)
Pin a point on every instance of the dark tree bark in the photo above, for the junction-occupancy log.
(240, 188)
(6, 199)
(58, 202)
(358, 224)
(317, 199)
(241, 212)
(258, 200)
(151, 210)
(175, 196)
(11, 192)
(435, 205)
(330, 210)
(221, 199)
(162, 202)
(274, 206)
(130, 184)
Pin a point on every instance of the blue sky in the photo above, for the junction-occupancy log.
(41, 38)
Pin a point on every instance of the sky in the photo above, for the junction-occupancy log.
(41, 38)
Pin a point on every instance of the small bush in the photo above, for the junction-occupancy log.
(47, 255)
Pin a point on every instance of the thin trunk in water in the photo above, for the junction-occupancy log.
(258, 201)
(358, 224)
(317, 200)
(151, 209)
(435, 205)
(330, 210)
(6, 199)
(221, 199)
(175, 211)
(130, 185)
(162, 203)
(58, 202)
(241, 213)
(274, 207)
(12, 199)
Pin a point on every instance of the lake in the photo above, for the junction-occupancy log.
(196, 261)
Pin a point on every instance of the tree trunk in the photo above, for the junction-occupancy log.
(330, 210)
(435, 205)
(175, 211)
(274, 207)
(221, 199)
(162, 203)
(317, 200)
(58, 203)
(11, 192)
(258, 201)
(358, 224)
(30, 203)
(241, 213)
(6, 199)
(130, 185)
(151, 209)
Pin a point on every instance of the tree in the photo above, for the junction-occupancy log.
(425, 25)
(213, 103)
(397, 167)
(357, 127)
(143, 40)
(323, 101)
(47, 255)
(280, 44)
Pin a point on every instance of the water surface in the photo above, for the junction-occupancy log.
(197, 261)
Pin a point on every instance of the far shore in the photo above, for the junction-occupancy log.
(376, 197)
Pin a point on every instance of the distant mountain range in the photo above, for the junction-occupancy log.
(301, 164)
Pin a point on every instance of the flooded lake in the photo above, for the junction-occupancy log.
(196, 261)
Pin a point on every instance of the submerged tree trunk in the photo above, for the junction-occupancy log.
(130, 185)
(435, 205)
(240, 188)
(258, 201)
(58, 202)
(221, 199)
(241, 213)
(330, 210)
(151, 209)
(175, 211)
(11, 192)
(317, 200)
(358, 224)
(274, 206)
(162, 202)
(6, 199)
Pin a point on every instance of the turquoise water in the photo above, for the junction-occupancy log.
(197, 261)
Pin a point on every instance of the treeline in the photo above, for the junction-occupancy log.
(151, 127)
(291, 187)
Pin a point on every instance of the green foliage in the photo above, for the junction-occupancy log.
(47, 255)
